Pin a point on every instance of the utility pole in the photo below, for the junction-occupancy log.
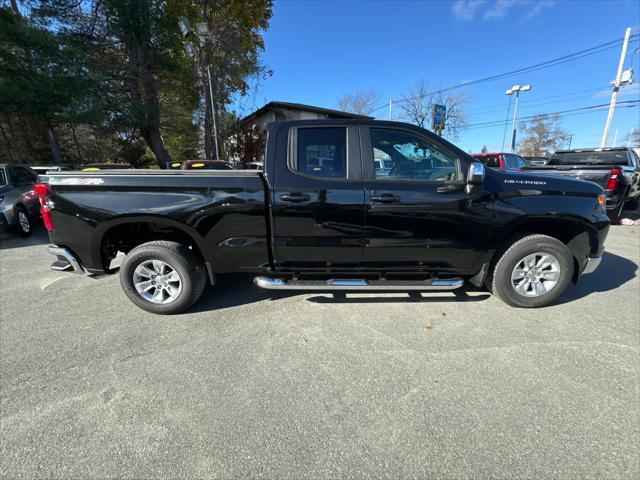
(390, 103)
(630, 137)
(616, 87)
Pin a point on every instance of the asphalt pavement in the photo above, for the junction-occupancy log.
(257, 384)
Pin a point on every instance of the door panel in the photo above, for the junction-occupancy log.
(421, 216)
(318, 200)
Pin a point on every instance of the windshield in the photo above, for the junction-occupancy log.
(614, 157)
(3, 178)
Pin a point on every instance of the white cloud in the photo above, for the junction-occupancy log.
(538, 6)
(467, 10)
(499, 9)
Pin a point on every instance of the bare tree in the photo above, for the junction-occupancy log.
(542, 136)
(361, 102)
(633, 139)
(417, 107)
(417, 104)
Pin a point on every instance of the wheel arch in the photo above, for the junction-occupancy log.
(124, 234)
(579, 235)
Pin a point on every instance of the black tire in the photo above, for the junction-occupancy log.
(615, 214)
(21, 216)
(501, 284)
(180, 258)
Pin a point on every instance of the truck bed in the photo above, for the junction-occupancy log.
(89, 207)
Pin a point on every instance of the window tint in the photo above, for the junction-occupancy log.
(492, 161)
(515, 162)
(607, 157)
(21, 176)
(404, 155)
(322, 152)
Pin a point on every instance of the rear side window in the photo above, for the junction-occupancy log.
(321, 152)
(3, 178)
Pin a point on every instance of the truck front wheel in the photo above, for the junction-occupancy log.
(163, 277)
(533, 272)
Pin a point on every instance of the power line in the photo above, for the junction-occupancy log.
(549, 63)
(495, 123)
(542, 100)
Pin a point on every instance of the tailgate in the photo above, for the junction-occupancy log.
(595, 175)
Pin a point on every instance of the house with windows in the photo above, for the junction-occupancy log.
(249, 141)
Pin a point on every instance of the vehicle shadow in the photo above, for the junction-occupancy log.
(613, 272)
(458, 295)
(233, 290)
(10, 239)
(236, 289)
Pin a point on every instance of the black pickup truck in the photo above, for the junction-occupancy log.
(617, 170)
(325, 215)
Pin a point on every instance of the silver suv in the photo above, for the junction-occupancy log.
(19, 205)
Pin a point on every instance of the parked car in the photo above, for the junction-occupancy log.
(90, 167)
(206, 165)
(537, 161)
(437, 218)
(19, 204)
(502, 161)
(617, 170)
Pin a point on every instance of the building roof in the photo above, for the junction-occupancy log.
(305, 108)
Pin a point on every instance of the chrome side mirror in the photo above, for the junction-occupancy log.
(476, 174)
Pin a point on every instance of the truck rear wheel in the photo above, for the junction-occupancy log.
(533, 272)
(163, 277)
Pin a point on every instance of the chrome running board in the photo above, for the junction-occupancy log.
(276, 283)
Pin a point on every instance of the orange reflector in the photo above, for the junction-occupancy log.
(601, 199)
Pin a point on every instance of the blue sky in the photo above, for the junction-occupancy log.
(319, 50)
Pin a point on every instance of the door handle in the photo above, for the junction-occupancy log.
(295, 197)
(385, 198)
(449, 188)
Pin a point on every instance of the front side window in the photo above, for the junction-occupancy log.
(322, 152)
(407, 156)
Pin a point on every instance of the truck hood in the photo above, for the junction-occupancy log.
(507, 180)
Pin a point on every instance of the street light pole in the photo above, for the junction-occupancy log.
(213, 112)
(516, 89)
